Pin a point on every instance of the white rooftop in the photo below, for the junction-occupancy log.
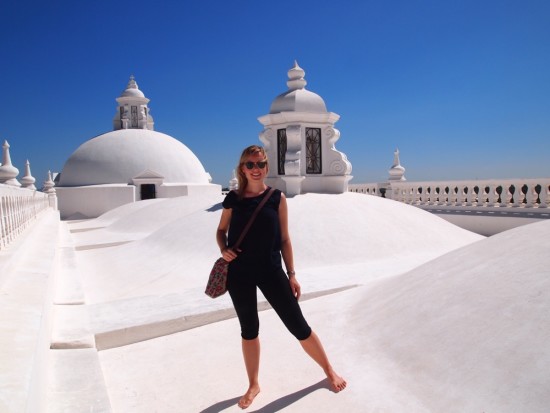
(417, 314)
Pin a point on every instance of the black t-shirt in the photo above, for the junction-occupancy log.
(262, 244)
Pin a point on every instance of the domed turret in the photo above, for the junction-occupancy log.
(132, 111)
(132, 89)
(297, 98)
(299, 137)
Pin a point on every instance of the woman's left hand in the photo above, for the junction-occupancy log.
(295, 287)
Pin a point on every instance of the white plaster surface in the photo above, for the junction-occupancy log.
(434, 319)
(99, 160)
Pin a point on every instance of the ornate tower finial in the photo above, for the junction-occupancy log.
(132, 83)
(8, 172)
(28, 180)
(49, 184)
(397, 172)
(296, 77)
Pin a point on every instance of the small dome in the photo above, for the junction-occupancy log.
(297, 98)
(132, 93)
(119, 156)
(132, 89)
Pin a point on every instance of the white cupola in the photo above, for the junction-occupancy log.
(132, 111)
(8, 172)
(397, 172)
(299, 138)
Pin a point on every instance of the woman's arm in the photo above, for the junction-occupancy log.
(286, 247)
(221, 236)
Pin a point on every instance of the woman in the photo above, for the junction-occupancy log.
(257, 263)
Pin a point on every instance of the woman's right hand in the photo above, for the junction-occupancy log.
(228, 254)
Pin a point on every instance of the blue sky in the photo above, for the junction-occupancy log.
(461, 87)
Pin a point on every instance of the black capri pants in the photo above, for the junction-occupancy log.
(274, 284)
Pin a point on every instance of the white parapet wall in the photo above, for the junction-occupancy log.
(93, 200)
(483, 206)
(18, 208)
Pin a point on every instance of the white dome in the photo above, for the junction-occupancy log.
(117, 157)
(132, 89)
(300, 100)
(297, 98)
(132, 93)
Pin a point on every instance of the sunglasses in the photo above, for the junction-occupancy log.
(260, 165)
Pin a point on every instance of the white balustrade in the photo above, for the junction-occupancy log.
(18, 208)
(505, 193)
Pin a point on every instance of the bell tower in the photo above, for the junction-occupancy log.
(132, 111)
(299, 137)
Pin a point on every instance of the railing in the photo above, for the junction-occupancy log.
(18, 208)
(508, 193)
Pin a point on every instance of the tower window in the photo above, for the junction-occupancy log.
(121, 116)
(281, 150)
(134, 117)
(313, 151)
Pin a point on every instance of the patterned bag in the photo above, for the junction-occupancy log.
(217, 281)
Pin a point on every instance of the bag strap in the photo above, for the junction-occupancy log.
(252, 218)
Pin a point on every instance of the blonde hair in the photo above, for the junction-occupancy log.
(241, 177)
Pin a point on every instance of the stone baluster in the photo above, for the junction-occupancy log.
(416, 193)
(478, 193)
(491, 195)
(434, 195)
(516, 195)
(10, 218)
(530, 196)
(480, 196)
(455, 190)
(544, 195)
(521, 194)
(504, 195)
(406, 194)
(7, 221)
(2, 235)
(427, 195)
(463, 198)
(448, 194)
(440, 195)
(469, 195)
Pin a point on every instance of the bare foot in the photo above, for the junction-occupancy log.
(249, 396)
(337, 382)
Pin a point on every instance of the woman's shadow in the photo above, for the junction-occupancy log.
(275, 405)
